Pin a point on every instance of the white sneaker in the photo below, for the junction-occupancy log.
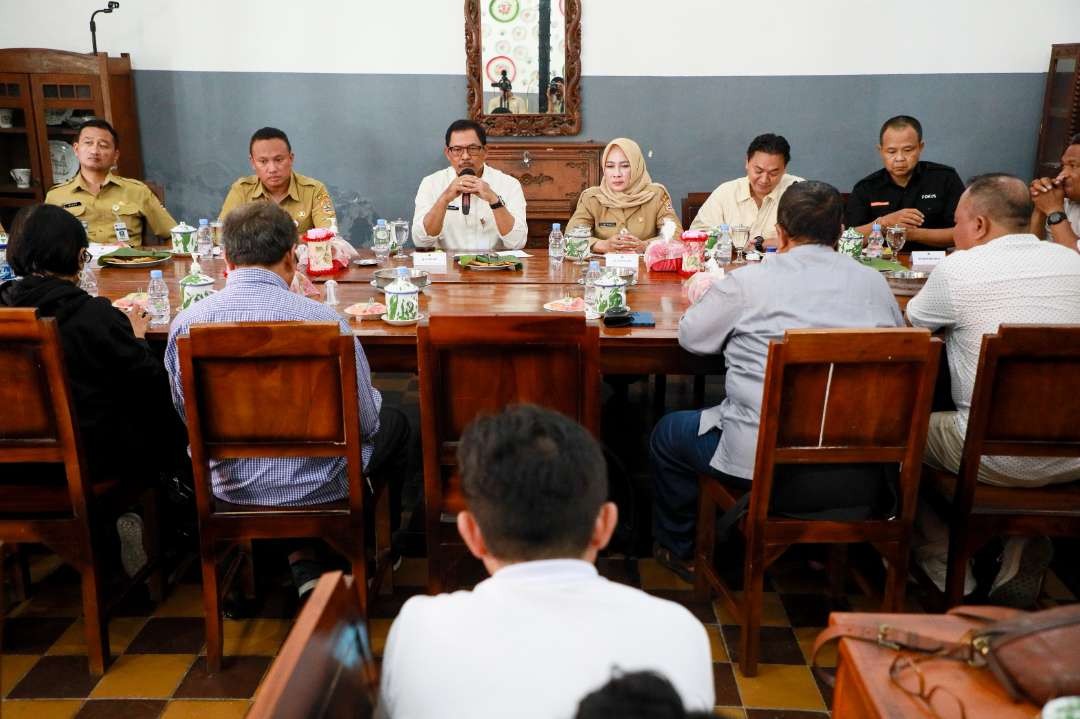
(1023, 566)
(937, 567)
(132, 550)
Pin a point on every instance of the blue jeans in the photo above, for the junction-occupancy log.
(677, 456)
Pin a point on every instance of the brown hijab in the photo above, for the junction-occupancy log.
(639, 190)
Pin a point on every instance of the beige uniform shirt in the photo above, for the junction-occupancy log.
(308, 203)
(643, 222)
(732, 204)
(120, 199)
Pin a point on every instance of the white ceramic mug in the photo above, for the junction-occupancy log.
(7, 117)
(21, 175)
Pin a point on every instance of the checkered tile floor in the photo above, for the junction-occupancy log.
(159, 668)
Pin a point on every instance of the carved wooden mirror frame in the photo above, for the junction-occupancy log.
(506, 124)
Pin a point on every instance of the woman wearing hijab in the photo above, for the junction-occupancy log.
(627, 209)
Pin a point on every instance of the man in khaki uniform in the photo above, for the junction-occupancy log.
(305, 199)
(113, 208)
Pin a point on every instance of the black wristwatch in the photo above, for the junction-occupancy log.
(1055, 217)
(498, 203)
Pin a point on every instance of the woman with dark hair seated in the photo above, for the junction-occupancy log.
(119, 389)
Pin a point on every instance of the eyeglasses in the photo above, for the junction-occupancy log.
(458, 150)
(939, 701)
(85, 256)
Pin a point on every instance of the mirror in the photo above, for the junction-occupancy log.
(524, 66)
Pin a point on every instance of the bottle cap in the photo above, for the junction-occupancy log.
(403, 272)
(770, 249)
(876, 227)
(555, 226)
(725, 228)
(380, 223)
(594, 265)
(155, 274)
(203, 222)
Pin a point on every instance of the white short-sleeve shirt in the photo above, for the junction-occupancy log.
(476, 230)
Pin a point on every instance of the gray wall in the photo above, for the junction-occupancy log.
(371, 138)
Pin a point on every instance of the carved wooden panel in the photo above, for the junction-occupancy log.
(552, 177)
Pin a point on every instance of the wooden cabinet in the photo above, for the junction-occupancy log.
(1061, 108)
(47, 92)
(552, 176)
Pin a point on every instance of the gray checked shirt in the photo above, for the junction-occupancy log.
(808, 286)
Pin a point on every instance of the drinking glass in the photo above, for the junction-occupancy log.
(895, 237)
(401, 233)
(740, 235)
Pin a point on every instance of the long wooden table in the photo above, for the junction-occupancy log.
(623, 350)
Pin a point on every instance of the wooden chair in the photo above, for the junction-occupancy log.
(476, 364)
(830, 396)
(691, 205)
(278, 389)
(44, 431)
(1023, 404)
(325, 668)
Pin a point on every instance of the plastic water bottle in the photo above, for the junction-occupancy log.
(874, 242)
(556, 244)
(158, 300)
(591, 290)
(87, 281)
(722, 253)
(204, 239)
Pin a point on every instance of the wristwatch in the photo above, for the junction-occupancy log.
(498, 203)
(1055, 217)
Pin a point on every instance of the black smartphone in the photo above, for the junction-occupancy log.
(642, 319)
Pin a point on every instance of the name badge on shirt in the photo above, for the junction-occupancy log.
(121, 231)
(451, 207)
(606, 224)
(69, 205)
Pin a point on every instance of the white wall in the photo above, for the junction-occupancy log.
(621, 37)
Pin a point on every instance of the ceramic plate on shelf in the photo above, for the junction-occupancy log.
(56, 117)
(65, 165)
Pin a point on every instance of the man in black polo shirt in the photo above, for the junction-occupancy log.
(917, 194)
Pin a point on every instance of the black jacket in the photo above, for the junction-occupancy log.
(119, 388)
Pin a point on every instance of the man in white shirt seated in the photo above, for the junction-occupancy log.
(469, 205)
(751, 201)
(546, 629)
(1000, 274)
(1057, 200)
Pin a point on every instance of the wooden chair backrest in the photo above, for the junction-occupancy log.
(475, 364)
(846, 395)
(38, 422)
(691, 205)
(1024, 399)
(324, 669)
(270, 389)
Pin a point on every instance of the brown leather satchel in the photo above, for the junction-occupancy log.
(1034, 655)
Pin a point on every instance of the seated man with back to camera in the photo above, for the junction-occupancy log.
(999, 274)
(258, 239)
(535, 484)
(739, 315)
(469, 205)
(751, 201)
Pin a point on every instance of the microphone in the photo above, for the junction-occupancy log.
(465, 195)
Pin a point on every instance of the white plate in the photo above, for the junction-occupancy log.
(402, 323)
(65, 165)
(57, 117)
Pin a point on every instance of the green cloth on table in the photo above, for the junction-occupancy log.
(134, 252)
(884, 265)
